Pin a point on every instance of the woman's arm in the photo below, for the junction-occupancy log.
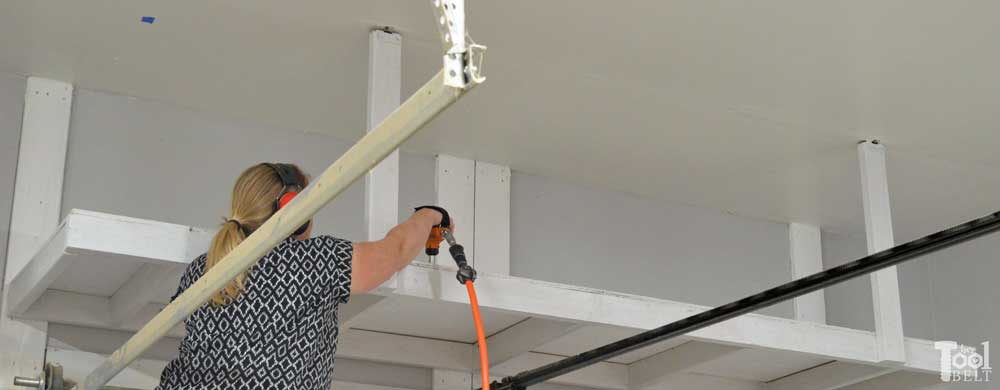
(375, 261)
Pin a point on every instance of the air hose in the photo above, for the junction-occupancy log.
(484, 360)
(466, 275)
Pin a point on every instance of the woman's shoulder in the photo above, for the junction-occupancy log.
(323, 246)
(317, 247)
(195, 268)
(315, 241)
(192, 272)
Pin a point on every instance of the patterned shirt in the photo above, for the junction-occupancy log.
(279, 333)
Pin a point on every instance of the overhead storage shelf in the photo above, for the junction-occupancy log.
(113, 272)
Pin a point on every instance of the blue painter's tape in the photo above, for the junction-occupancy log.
(148, 19)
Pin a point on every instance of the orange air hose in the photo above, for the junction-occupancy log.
(466, 275)
(484, 360)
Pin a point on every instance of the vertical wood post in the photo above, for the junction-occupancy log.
(807, 259)
(878, 227)
(38, 189)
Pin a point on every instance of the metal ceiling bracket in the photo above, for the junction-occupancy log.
(463, 58)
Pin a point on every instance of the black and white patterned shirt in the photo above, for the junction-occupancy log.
(279, 333)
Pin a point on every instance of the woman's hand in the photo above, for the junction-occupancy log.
(435, 215)
(374, 262)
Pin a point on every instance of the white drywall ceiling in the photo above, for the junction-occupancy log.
(590, 337)
(747, 107)
(759, 365)
(430, 319)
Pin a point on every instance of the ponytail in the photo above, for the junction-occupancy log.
(229, 236)
(253, 199)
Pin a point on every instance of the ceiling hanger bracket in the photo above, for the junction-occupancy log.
(463, 58)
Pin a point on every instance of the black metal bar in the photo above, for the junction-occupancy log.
(795, 288)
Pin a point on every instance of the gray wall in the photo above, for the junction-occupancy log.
(963, 297)
(964, 294)
(11, 104)
(147, 159)
(849, 304)
(151, 160)
(573, 234)
(949, 295)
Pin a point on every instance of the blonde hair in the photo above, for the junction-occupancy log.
(253, 200)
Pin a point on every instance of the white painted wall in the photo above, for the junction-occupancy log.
(850, 303)
(151, 160)
(145, 159)
(964, 291)
(962, 297)
(572, 234)
(11, 104)
(949, 295)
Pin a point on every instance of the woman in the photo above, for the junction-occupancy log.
(275, 326)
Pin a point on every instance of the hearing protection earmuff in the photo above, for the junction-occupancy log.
(292, 183)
